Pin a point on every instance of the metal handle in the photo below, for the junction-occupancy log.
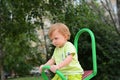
(44, 76)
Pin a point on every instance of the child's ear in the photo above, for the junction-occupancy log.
(66, 36)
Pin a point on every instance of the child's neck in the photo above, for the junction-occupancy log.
(62, 45)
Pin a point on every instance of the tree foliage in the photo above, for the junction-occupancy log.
(16, 32)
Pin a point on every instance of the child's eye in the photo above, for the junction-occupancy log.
(56, 38)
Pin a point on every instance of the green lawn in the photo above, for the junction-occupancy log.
(27, 78)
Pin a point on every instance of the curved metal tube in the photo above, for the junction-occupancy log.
(93, 45)
(44, 76)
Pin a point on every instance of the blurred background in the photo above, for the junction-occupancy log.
(24, 43)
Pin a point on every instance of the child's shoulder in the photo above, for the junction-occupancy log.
(69, 44)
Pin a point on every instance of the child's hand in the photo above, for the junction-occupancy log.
(40, 69)
(53, 68)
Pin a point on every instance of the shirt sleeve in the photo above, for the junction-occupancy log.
(70, 49)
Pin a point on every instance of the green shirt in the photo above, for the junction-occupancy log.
(61, 53)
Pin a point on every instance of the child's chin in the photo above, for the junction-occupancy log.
(57, 46)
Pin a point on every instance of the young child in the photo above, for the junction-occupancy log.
(64, 58)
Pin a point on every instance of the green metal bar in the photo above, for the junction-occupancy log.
(44, 76)
(93, 45)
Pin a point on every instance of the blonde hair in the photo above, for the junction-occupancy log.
(62, 28)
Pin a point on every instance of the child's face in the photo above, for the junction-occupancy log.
(58, 39)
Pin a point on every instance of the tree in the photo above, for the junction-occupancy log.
(107, 4)
(16, 31)
(118, 10)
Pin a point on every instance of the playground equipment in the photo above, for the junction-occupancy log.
(88, 74)
(57, 72)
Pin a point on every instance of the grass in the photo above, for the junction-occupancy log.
(27, 78)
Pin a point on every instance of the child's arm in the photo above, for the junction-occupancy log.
(62, 64)
(50, 62)
(66, 61)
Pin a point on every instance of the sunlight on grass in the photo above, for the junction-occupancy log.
(27, 78)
